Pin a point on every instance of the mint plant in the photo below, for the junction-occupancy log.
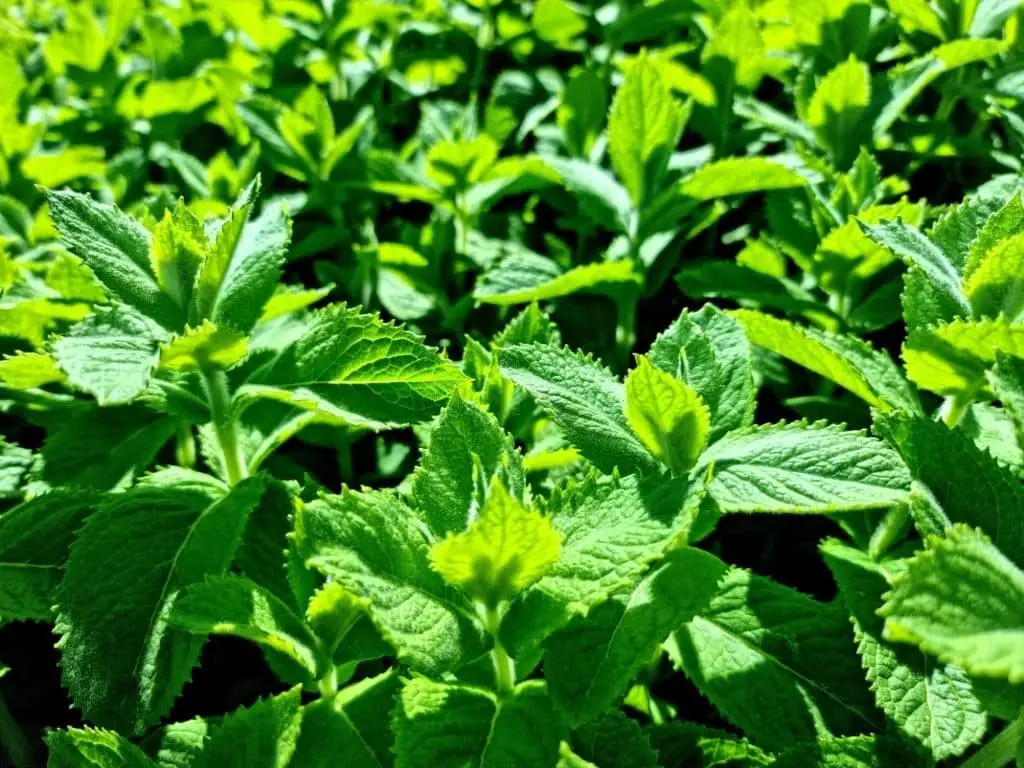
(495, 384)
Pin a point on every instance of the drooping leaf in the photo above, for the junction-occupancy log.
(525, 277)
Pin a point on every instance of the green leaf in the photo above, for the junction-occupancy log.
(803, 468)
(739, 176)
(1006, 380)
(952, 359)
(932, 704)
(667, 415)
(93, 748)
(614, 740)
(177, 249)
(110, 355)
(935, 605)
(644, 126)
(439, 725)
(590, 663)
(524, 277)
(849, 362)
(555, 21)
(853, 752)
(264, 735)
(506, 549)
(34, 540)
(596, 191)
(996, 286)
(910, 244)
(725, 280)
(376, 547)
(444, 485)
(774, 662)
(102, 448)
(241, 271)
(709, 350)
(116, 248)
(121, 662)
(28, 370)
(15, 463)
(611, 531)
(582, 111)
(682, 743)
(969, 485)
(836, 108)
(237, 606)
(205, 347)
(356, 369)
(583, 398)
(989, 228)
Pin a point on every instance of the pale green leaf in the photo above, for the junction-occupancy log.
(524, 277)
(555, 21)
(583, 398)
(667, 415)
(506, 549)
(93, 748)
(206, 347)
(377, 548)
(836, 107)
(952, 359)
(644, 126)
(357, 369)
(709, 350)
(968, 485)
(28, 370)
(444, 485)
(962, 600)
(116, 248)
(803, 468)
(110, 355)
(739, 176)
(996, 285)
(848, 361)
(932, 704)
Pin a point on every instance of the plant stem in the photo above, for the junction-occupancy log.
(625, 330)
(953, 409)
(329, 683)
(504, 667)
(1000, 750)
(13, 740)
(185, 445)
(224, 425)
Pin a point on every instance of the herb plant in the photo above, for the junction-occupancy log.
(397, 383)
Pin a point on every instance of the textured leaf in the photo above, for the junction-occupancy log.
(241, 271)
(911, 245)
(962, 600)
(116, 248)
(34, 541)
(590, 663)
(739, 176)
(28, 370)
(263, 736)
(667, 415)
(614, 740)
(177, 249)
(682, 743)
(359, 370)
(110, 355)
(994, 227)
(523, 277)
(93, 748)
(967, 483)
(583, 398)
(996, 286)
(15, 463)
(438, 725)
(803, 468)
(774, 662)
(853, 752)
(1006, 380)
(121, 662)
(709, 350)
(932, 704)
(444, 485)
(234, 605)
(611, 531)
(205, 347)
(952, 359)
(837, 105)
(643, 129)
(329, 737)
(506, 549)
(377, 548)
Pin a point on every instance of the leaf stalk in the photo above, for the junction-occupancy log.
(224, 425)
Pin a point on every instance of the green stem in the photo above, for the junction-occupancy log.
(954, 409)
(329, 683)
(504, 667)
(13, 739)
(224, 425)
(185, 445)
(1000, 750)
(625, 330)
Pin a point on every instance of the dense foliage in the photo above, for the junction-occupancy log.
(362, 407)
